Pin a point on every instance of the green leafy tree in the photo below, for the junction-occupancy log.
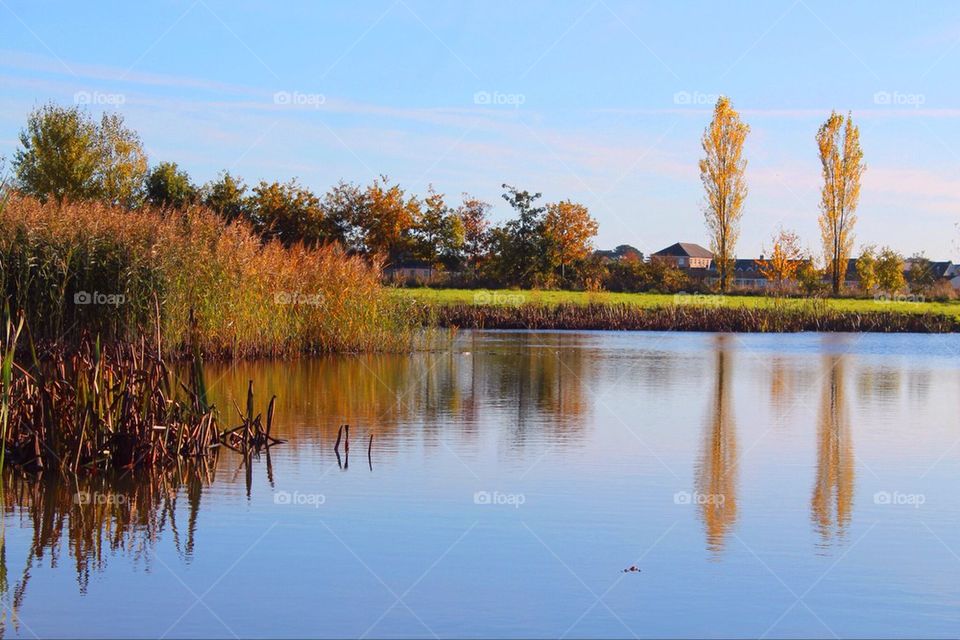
(344, 206)
(922, 277)
(476, 228)
(66, 155)
(523, 251)
(123, 163)
(867, 269)
(810, 278)
(890, 271)
(227, 196)
(168, 186)
(439, 232)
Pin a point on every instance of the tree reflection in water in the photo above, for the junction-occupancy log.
(717, 469)
(832, 500)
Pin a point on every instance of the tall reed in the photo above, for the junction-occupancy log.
(211, 284)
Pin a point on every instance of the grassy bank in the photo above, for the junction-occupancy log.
(661, 312)
(506, 298)
(192, 277)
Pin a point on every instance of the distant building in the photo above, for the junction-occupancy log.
(698, 263)
(685, 255)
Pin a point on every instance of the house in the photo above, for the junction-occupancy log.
(410, 270)
(698, 264)
(685, 255)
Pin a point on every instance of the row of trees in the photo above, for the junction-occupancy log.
(722, 172)
(66, 155)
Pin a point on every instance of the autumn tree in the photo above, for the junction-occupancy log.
(569, 231)
(890, 271)
(387, 220)
(287, 212)
(722, 173)
(842, 160)
(780, 268)
(476, 225)
(867, 269)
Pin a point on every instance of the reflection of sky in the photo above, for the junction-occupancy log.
(598, 433)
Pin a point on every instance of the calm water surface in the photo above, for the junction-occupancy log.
(799, 485)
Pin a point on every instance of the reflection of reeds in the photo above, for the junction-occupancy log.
(683, 318)
(832, 500)
(94, 516)
(717, 472)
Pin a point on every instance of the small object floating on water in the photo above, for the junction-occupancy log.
(632, 569)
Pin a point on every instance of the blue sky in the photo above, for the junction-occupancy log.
(599, 101)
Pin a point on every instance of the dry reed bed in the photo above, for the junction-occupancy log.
(96, 408)
(112, 272)
(628, 317)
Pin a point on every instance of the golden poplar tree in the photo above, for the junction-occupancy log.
(842, 159)
(721, 171)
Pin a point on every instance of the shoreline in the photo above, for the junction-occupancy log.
(626, 317)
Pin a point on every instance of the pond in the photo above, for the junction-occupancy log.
(762, 485)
